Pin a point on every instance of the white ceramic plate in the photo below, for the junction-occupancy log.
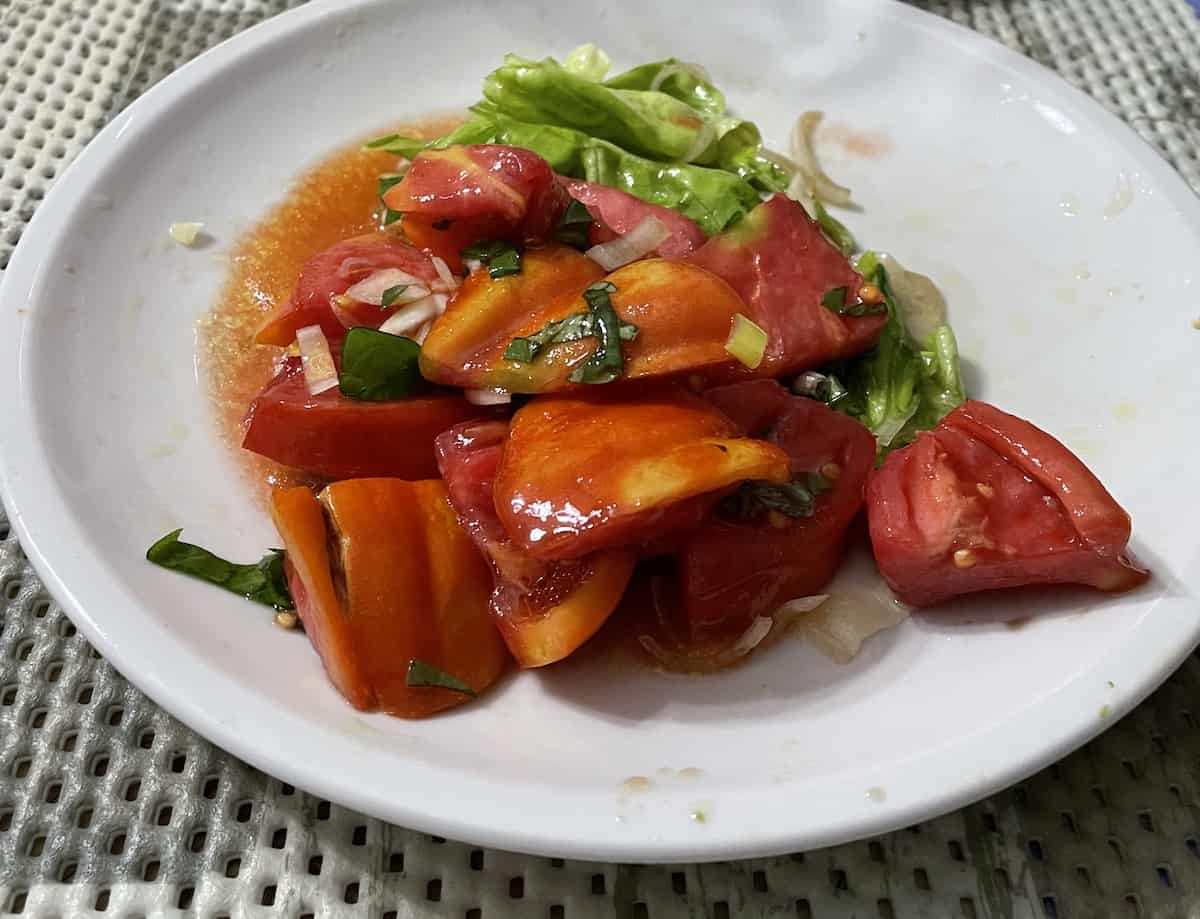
(1067, 249)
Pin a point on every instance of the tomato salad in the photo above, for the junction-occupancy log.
(605, 349)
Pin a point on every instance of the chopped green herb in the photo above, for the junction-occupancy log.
(377, 366)
(389, 180)
(502, 258)
(792, 499)
(263, 582)
(574, 229)
(390, 216)
(570, 328)
(422, 675)
(606, 362)
(391, 295)
(834, 228)
(835, 301)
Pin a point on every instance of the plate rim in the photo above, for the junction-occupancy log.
(20, 489)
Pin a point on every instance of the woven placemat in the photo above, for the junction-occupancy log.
(109, 807)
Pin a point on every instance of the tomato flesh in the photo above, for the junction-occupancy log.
(732, 570)
(333, 437)
(331, 273)
(986, 500)
(781, 265)
(512, 186)
(544, 610)
(597, 470)
(617, 212)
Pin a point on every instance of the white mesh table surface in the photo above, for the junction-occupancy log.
(110, 807)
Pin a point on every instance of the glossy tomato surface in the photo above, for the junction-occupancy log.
(544, 609)
(987, 500)
(782, 266)
(382, 575)
(333, 437)
(617, 212)
(734, 568)
(602, 469)
(329, 274)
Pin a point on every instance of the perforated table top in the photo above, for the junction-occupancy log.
(109, 807)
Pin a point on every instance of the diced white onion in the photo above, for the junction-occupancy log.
(487, 396)
(810, 383)
(422, 333)
(370, 289)
(320, 373)
(185, 234)
(448, 281)
(414, 315)
(638, 242)
(819, 184)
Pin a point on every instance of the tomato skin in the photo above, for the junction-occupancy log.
(510, 185)
(447, 237)
(755, 405)
(412, 587)
(617, 212)
(587, 471)
(683, 315)
(544, 610)
(734, 570)
(330, 273)
(1019, 504)
(333, 437)
(781, 265)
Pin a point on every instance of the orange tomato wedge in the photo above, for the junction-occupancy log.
(382, 575)
(586, 472)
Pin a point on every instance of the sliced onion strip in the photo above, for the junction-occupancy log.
(371, 288)
(320, 373)
(819, 184)
(704, 138)
(414, 315)
(448, 281)
(637, 243)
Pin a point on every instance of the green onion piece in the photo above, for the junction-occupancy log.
(575, 226)
(606, 362)
(377, 366)
(747, 341)
(263, 582)
(502, 258)
(391, 295)
(422, 676)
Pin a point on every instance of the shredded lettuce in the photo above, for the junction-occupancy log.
(900, 387)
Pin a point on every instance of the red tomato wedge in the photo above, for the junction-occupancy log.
(511, 185)
(591, 471)
(382, 574)
(329, 274)
(446, 238)
(619, 212)
(683, 315)
(333, 437)
(732, 570)
(544, 610)
(781, 265)
(987, 500)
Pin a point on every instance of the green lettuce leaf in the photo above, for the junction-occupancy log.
(900, 387)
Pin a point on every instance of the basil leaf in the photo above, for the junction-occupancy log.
(390, 216)
(834, 300)
(575, 226)
(793, 499)
(377, 366)
(606, 362)
(388, 181)
(391, 295)
(263, 582)
(502, 258)
(569, 328)
(422, 675)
